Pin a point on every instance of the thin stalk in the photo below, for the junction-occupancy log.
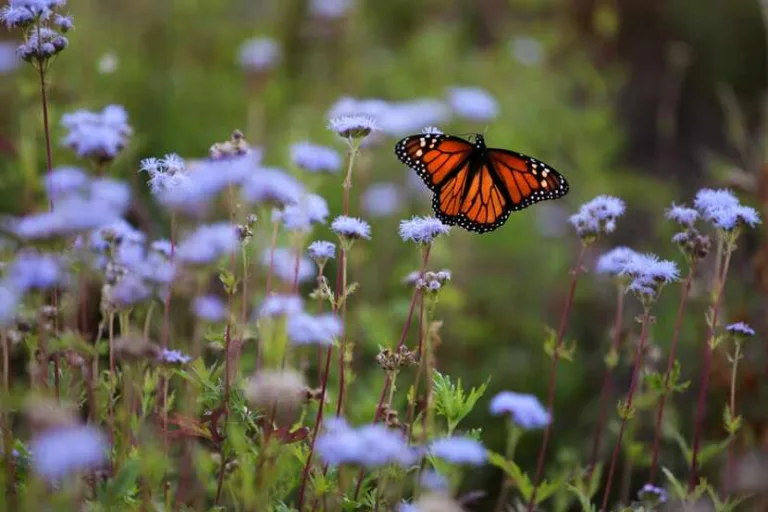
(46, 124)
(272, 245)
(646, 319)
(553, 374)
(706, 368)
(607, 379)
(732, 406)
(343, 345)
(429, 406)
(244, 308)
(513, 436)
(10, 466)
(167, 302)
(112, 342)
(670, 367)
(417, 379)
(148, 321)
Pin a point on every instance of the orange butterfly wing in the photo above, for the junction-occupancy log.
(525, 180)
(435, 157)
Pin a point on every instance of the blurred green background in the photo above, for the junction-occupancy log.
(647, 100)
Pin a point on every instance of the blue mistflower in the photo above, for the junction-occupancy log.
(405, 117)
(614, 261)
(315, 158)
(351, 228)
(731, 218)
(60, 452)
(272, 186)
(209, 308)
(208, 243)
(259, 54)
(381, 200)
(684, 216)
(329, 9)
(422, 230)
(10, 297)
(311, 209)
(741, 329)
(649, 274)
(283, 264)
(459, 450)
(473, 103)
(525, 410)
(130, 289)
(431, 130)
(280, 305)
(353, 126)
(434, 481)
(165, 173)
(321, 251)
(369, 446)
(173, 357)
(652, 494)
(597, 217)
(709, 202)
(304, 329)
(32, 270)
(63, 181)
(97, 135)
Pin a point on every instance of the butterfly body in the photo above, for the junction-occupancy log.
(477, 187)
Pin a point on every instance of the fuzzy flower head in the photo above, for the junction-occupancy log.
(329, 9)
(740, 330)
(614, 261)
(525, 410)
(59, 452)
(165, 173)
(207, 244)
(280, 305)
(432, 282)
(381, 200)
(311, 209)
(268, 388)
(354, 127)
(369, 446)
(684, 216)
(459, 450)
(259, 54)
(282, 262)
(473, 103)
(723, 210)
(272, 186)
(597, 217)
(98, 136)
(304, 329)
(351, 228)
(649, 274)
(730, 219)
(315, 158)
(652, 495)
(32, 270)
(209, 308)
(321, 251)
(422, 230)
(172, 357)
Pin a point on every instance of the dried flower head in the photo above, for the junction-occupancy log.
(135, 348)
(44, 413)
(284, 388)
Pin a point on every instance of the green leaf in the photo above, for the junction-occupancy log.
(584, 500)
(514, 472)
(547, 488)
(678, 487)
(451, 401)
(123, 483)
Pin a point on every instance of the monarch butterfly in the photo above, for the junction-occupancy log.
(475, 186)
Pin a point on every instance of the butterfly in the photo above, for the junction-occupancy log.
(475, 186)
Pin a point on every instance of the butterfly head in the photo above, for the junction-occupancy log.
(479, 142)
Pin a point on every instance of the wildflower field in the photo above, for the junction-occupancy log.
(243, 269)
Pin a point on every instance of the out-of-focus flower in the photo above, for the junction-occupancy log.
(259, 54)
(597, 217)
(459, 450)
(275, 387)
(108, 63)
(422, 230)
(9, 59)
(329, 9)
(209, 308)
(207, 244)
(311, 209)
(304, 329)
(381, 200)
(173, 357)
(434, 481)
(280, 305)
(527, 50)
(63, 181)
(32, 270)
(433, 502)
(473, 103)
(369, 446)
(321, 251)
(614, 261)
(165, 173)
(740, 329)
(97, 135)
(315, 158)
(525, 410)
(351, 228)
(283, 264)
(652, 495)
(60, 452)
(273, 186)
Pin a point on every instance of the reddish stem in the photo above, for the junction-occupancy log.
(705, 371)
(46, 128)
(607, 379)
(553, 374)
(667, 375)
(628, 405)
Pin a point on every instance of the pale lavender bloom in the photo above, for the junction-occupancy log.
(709, 202)
(283, 263)
(652, 494)
(272, 186)
(280, 305)
(354, 127)
(431, 130)
(740, 328)
(129, 290)
(10, 298)
(165, 173)
(115, 194)
(9, 59)
(684, 216)
(259, 54)
(597, 217)
(369, 446)
(315, 158)
(329, 9)
(473, 103)
(351, 228)
(61, 452)
(527, 50)
(408, 507)
(614, 261)
(32, 270)
(525, 410)
(407, 117)
(208, 243)
(350, 107)
(163, 247)
(649, 268)
(434, 481)
(97, 135)
(732, 218)
(304, 329)
(381, 200)
(321, 251)
(63, 23)
(173, 357)
(41, 44)
(209, 308)
(311, 209)
(63, 181)
(422, 230)
(459, 450)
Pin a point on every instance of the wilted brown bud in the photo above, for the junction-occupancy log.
(285, 388)
(135, 348)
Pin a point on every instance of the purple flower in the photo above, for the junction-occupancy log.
(684, 216)
(732, 218)
(354, 126)
(280, 305)
(63, 23)
(381, 200)
(422, 230)
(525, 410)
(272, 186)
(97, 135)
(407, 117)
(283, 263)
(614, 261)
(649, 268)
(63, 451)
(369, 446)
(315, 158)
(10, 297)
(130, 289)
(709, 202)
(304, 329)
(165, 173)
(259, 54)
(652, 494)
(597, 217)
(329, 9)
(162, 247)
(312, 209)
(173, 357)
(65, 181)
(431, 130)
(740, 329)
(434, 481)
(32, 270)
(209, 308)
(207, 244)
(351, 228)
(527, 51)
(9, 58)
(321, 251)
(459, 450)
(473, 103)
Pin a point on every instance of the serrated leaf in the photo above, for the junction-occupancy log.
(514, 472)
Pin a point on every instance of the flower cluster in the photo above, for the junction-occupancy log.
(597, 217)
(369, 446)
(98, 136)
(649, 274)
(525, 410)
(691, 243)
(422, 230)
(43, 27)
(165, 173)
(723, 209)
